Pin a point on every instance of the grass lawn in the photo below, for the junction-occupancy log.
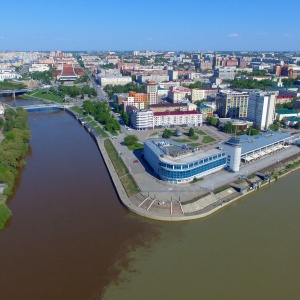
(101, 131)
(5, 85)
(200, 132)
(193, 138)
(207, 139)
(89, 119)
(154, 133)
(129, 185)
(77, 109)
(47, 96)
(93, 123)
(136, 146)
(181, 141)
(127, 180)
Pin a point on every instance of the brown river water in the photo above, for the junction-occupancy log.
(70, 238)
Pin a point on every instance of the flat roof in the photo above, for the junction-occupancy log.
(166, 147)
(251, 143)
(173, 113)
(285, 111)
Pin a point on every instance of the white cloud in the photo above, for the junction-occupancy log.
(233, 35)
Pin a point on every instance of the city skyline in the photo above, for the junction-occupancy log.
(155, 25)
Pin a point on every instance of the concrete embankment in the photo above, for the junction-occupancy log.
(160, 214)
(148, 214)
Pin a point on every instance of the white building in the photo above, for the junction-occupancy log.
(114, 80)
(158, 78)
(11, 75)
(142, 119)
(173, 75)
(38, 68)
(177, 118)
(261, 109)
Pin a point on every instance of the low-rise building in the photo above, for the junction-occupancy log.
(39, 68)
(142, 119)
(283, 113)
(177, 118)
(114, 80)
(178, 163)
(176, 94)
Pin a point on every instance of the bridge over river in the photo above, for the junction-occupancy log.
(14, 92)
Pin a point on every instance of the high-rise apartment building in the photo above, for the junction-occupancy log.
(151, 91)
(261, 109)
(232, 104)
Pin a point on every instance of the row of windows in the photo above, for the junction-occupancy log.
(194, 164)
(190, 173)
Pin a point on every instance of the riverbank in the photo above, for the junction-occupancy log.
(158, 207)
(13, 149)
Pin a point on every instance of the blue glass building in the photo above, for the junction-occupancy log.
(178, 163)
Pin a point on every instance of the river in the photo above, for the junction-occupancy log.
(70, 238)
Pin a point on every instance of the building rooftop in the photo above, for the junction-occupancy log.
(251, 143)
(166, 113)
(285, 112)
(174, 152)
(167, 104)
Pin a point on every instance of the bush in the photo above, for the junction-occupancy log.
(130, 140)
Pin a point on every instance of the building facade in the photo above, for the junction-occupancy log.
(177, 163)
(177, 118)
(232, 104)
(142, 119)
(261, 109)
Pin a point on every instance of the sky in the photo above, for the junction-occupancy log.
(119, 25)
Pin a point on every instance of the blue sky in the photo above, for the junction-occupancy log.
(149, 25)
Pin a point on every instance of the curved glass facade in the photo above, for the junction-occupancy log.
(188, 171)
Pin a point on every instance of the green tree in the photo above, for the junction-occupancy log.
(191, 132)
(130, 140)
(275, 126)
(167, 134)
(212, 121)
(125, 117)
(229, 127)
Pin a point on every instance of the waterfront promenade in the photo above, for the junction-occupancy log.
(169, 202)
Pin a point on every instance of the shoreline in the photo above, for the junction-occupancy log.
(137, 209)
(124, 199)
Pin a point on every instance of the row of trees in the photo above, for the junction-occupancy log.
(45, 77)
(123, 114)
(195, 85)
(101, 111)
(73, 91)
(14, 146)
(82, 79)
(112, 89)
(252, 84)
